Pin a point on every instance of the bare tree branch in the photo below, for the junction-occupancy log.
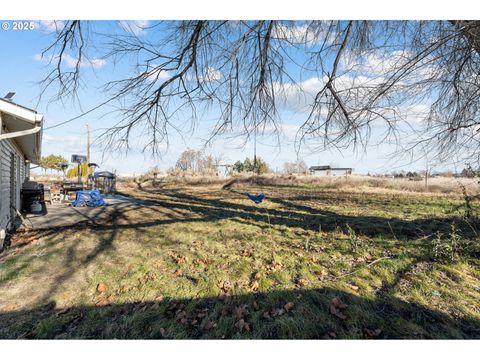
(368, 75)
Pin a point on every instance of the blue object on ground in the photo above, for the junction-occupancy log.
(88, 198)
(256, 198)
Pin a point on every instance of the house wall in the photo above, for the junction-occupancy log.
(320, 172)
(7, 148)
(339, 172)
(330, 172)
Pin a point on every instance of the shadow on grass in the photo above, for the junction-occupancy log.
(302, 216)
(218, 317)
(53, 236)
(111, 220)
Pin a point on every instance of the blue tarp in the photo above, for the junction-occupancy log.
(257, 199)
(88, 198)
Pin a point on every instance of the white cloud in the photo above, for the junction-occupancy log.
(298, 97)
(380, 64)
(134, 27)
(288, 130)
(209, 75)
(63, 143)
(156, 74)
(303, 34)
(212, 75)
(98, 63)
(416, 113)
(39, 57)
(49, 25)
(70, 61)
(354, 91)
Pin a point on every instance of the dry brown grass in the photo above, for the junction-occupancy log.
(361, 183)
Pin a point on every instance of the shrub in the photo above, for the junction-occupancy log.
(446, 250)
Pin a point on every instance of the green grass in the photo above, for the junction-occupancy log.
(202, 262)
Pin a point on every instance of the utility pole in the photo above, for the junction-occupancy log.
(255, 149)
(88, 144)
(255, 170)
(426, 172)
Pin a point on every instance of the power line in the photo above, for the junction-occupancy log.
(78, 116)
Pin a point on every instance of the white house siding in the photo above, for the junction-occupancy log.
(331, 172)
(7, 148)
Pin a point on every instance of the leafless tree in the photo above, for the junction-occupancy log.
(195, 162)
(409, 82)
(299, 167)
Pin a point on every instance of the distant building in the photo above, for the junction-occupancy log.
(327, 170)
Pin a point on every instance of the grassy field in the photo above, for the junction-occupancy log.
(311, 261)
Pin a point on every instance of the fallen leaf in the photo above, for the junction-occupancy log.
(202, 313)
(320, 274)
(157, 264)
(338, 303)
(256, 306)
(337, 312)
(209, 325)
(240, 311)
(124, 289)
(239, 324)
(332, 335)
(223, 266)
(276, 312)
(179, 260)
(226, 285)
(246, 252)
(181, 316)
(254, 286)
(256, 276)
(102, 287)
(225, 311)
(244, 284)
(274, 266)
(102, 302)
(178, 272)
(372, 334)
(242, 325)
(301, 281)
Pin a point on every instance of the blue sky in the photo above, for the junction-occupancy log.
(23, 68)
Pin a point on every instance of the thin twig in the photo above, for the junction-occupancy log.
(361, 268)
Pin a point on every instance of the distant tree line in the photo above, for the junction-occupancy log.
(52, 162)
(258, 167)
(298, 167)
(470, 172)
(196, 162)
